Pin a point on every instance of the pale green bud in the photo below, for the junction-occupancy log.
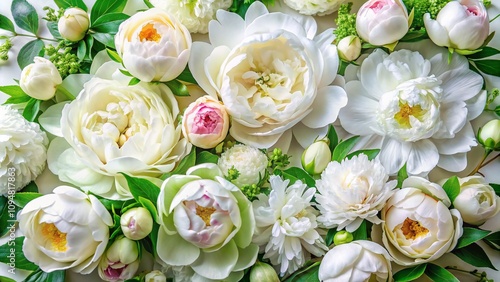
(489, 135)
(349, 48)
(136, 223)
(73, 25)
(263, 272)
(342, 237)
(316, 157)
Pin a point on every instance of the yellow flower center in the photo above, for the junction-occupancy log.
(412, 229)
(55, 237)
(205, 213)
(405, 111)
(149, 33)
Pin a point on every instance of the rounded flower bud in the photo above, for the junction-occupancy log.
(349, 48)
(40, 79)
(460, 24)
(121, 260)
(342, 237)
(381, 22)
(73, 25)
(263, 272)
(205, 122)
(136, 223)
(477, 201)
(316, 157)
(250, 162)
(489, 135)
(155, 276)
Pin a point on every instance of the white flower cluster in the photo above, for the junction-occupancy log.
(23, 146)
(315, 7)
(250, 162)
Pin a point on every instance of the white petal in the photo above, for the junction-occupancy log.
(437, 33)
(255, 10)
(423, 157)
(455, 163)
(475, 106)
(326, 107)
(306, 135)
(358, 117)
(174, 250)
(460, 143)
(394, 154)
(217, 265)
(228, 30)
(460, 85)
(50, 120)
(199, 53)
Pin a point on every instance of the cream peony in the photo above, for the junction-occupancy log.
(415, 107)
(111, 128)
(315, 7)
(477, 201)
(273, 74)
(352, 191)
(136, 223)
(154, 46)
(65, 230)
(194, 14)
(418, 227)
(286, 225)
(73, 25)
(359, 260)
(250, 162)
(23, 150)
(40, 79)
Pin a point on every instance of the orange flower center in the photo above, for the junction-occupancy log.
(55, 237)
(412, 229)
(149, 33)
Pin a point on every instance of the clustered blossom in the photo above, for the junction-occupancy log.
(315, 7)
(250, 162)
(23, 150)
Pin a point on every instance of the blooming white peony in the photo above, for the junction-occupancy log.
(359, 260)
(250, 162)
(194, 14)
(418, 227)
(273, 74)
(315, 7)
(416, 107)
(23, 150)
(286, 225)
(65, 230)
(112, 128)
(352, 191)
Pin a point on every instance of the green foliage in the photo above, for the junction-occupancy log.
(474, 255)
(471, 235)
(308, 273)
(177, 87)
(409, 274)
(64, 58)
(346, 22)
(438, 274)
(142, 188)
(29, 51)
(6, 24)
(402, 175)
(32, 109)
(452, 188)
(39, 275)
(277, 159)
(14, 247)
(103, 7)
(421, 7)
(16, 94)
(343, 148)
(187, 162)
(25, 15)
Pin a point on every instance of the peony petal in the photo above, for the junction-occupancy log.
(227, 30)
(199, 53)
(50, 120)
(394, 154)
(475, 105)
(254, 11)
(306, 135)
(460, 143)
(459, 85)
(436, 31)
(329, 100)
(174, 250)
(217, 265)
(423, 157)
(246, 257)
(455, 163)
(359, 116)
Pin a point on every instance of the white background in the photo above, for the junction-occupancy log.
(9, 70)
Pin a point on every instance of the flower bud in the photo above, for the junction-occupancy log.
(489, 135)
(263, 272)
(205, 122)
(349, 48)
(155, 276)
(316, 157)
(40, 79)
(73, 25)
(136, 223)
(477, 201)
(342, 237)
(121, 260)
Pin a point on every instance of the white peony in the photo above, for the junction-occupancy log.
(40, 79)
(477, 201)
(194, 14)
(273, 74)
(286, 225)
(315, 7)
(112, 128)
(23, 150)
(416, 107)
(250, 162)
(352, 191)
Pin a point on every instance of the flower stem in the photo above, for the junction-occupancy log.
(489, 161)
(480, 164)
(36, 36)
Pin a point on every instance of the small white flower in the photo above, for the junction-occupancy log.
(477, 201)
(40, 79)
(315, 7)
(195, 15)
(23, 149)
(286, 225)
(250, 162)
(352, 191)
(74, 24)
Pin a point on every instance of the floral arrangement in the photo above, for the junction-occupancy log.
(267, 151)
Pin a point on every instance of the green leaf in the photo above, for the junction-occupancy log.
(485, 52)
(71, 3)
(402, 175)
(409, 274)
(186, 76)
(307, 274)
(493, 240)
(109, 23)
(126, 73)
(187, 162)
(496, 187)
(144, 188)
(343, 148)
(474, 255)
(301, 175)
(6, 218)
(471, 235)
(15, 248)
(29, 52)
(178, 88)
(134, 81)
(25, 15)
(148, 4)
(363, 231)
(439, 274)
(54, 30)
(107, 39)
(39, 275)
(103, 7)
(114, 56)
(6, 279)
(23, 198)
(31, 110)
(452, 187)
(82, 50)
(488, 66)
(414, 36)
(6, 24)
(370, 153)
(332, 137)
(150, 206)
(206, 157)
(16, 94)
(329, 236)
(31, 187)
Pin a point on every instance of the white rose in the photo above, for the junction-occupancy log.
(477, 201)
(136, 223)
(349, 48)
(112, 128)
(418, 227)
(273, 74)
(381, 22)
(153, 45)
(461, 24)
(121, 260)
(73, 25)
(40, 79)
(250, 162)
(315, 7)
(65, 230)
(359, 260)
